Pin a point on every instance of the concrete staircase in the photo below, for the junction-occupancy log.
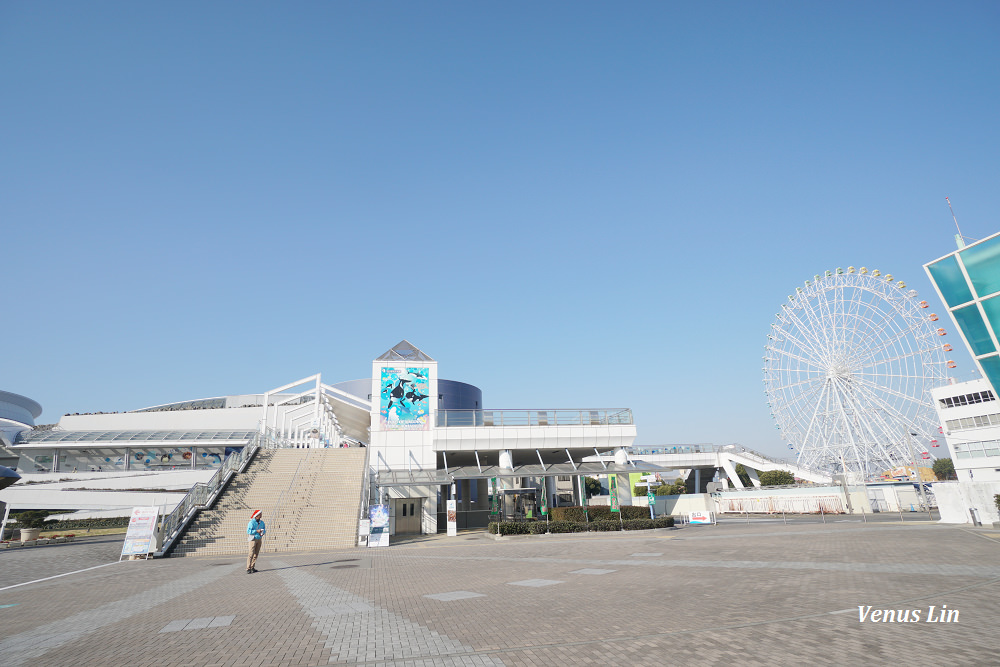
(309, 498)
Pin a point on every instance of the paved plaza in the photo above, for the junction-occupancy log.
(763, 593)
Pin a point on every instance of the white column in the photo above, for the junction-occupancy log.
(506, 459)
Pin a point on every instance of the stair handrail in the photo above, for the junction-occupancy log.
(204, 494)
(291, 485)
(366, 490)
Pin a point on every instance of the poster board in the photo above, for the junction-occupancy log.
(452, 518)
(404, 401)
(139, 539)
(378, 516)
(701, 517)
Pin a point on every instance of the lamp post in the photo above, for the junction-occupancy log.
(916, 471)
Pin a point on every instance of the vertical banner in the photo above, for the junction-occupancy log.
(452, 518)
(378, 516)
(139, 537)
(404, 404)
(613, 485)
(545, 499)
(495, 500)
(651, 499)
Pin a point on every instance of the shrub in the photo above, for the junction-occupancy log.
(511, 527)
(638, 524)
(605, 525)
(663, 522)
(538, 527)
(567, 514)
(634, 512)
(567, 527)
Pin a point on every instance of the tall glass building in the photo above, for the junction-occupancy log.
(968, 282)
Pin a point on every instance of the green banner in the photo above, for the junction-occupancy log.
(545, 499)
(494, 496)
(613, 485)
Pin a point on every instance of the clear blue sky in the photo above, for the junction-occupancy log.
(568, 204)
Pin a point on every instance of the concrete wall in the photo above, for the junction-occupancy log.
(807, 499)
(956, 498)
(680, 505)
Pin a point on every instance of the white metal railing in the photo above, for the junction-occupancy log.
(596, 417)
(203, 495)
(739, 450)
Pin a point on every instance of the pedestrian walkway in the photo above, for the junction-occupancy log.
(757, 594)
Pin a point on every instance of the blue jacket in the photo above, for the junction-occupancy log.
(256, 529)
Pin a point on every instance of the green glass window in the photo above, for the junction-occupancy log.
(991, 367)
(975, 330)
(982, 263)
(992, 309)
(949, 279)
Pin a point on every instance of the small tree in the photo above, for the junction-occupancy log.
(944, 469)
(592, 485)
(776, 478)
(675, 489)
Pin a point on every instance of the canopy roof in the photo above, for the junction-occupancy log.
(447, 476)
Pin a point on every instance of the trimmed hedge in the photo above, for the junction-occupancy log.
(567, 514)
(598, 513)
(601, 525)
(81, 524)
(510, 527)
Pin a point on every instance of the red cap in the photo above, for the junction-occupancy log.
(256, 514)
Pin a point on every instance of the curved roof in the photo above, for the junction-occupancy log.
(21, 401)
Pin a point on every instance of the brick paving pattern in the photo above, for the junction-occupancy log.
(753, 594)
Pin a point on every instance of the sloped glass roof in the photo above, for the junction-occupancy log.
(404, 350)
(68, 437)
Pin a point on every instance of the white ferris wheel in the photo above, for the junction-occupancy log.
(848, 369)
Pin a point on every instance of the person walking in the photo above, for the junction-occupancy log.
(255, 536)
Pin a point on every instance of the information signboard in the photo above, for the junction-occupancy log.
(141, 528)
(378, 517)
(452, 518)
(701, 517)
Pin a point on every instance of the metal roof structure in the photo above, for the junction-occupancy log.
(57, 437)
(448, 475)
(404, 350)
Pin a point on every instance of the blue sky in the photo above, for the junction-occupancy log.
(567, 204)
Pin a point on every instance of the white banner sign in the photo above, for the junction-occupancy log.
(701, 517)
(452, 518)
(141, 528)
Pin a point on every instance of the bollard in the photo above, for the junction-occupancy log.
(822, 512)
(783, 516)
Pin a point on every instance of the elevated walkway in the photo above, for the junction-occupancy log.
(726, 457)
(309, 498)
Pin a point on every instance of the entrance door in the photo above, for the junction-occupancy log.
(408, 512)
